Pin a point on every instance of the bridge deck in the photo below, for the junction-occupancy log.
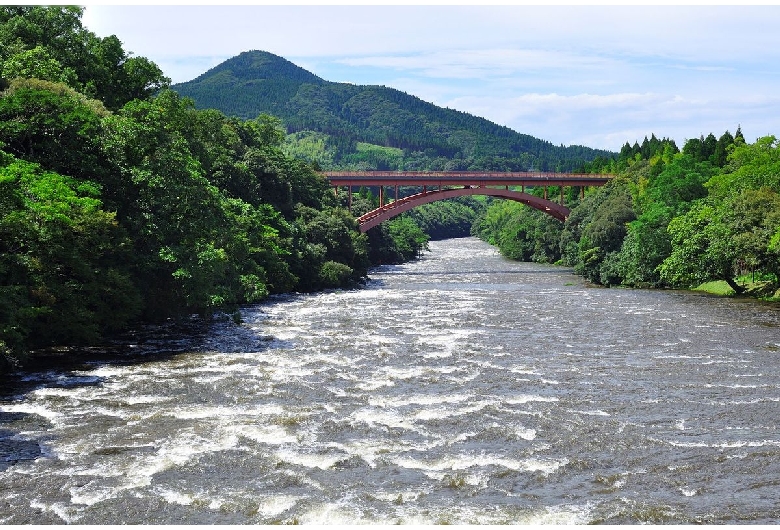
(462, 178)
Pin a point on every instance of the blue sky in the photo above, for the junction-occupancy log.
(590, 75)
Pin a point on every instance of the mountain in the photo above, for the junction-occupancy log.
(345, 116)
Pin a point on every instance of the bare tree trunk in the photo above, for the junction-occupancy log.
(734, 285)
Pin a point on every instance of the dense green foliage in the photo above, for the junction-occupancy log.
(62, 260)
(670, 219)
(345, 126)
(520, 232)
(121, 202)
(51, 44)
(450, 218)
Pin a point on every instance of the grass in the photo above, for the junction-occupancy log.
(761, 289)
(719, 288)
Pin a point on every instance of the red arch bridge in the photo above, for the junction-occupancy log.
(440, 185)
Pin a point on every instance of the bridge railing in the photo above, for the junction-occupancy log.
(455, 178)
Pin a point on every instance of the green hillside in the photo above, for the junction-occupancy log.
(430, 137)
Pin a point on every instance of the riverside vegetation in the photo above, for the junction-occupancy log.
(122, 201)
(708, 213)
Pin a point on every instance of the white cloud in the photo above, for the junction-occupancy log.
(477, 63)
(609, 121)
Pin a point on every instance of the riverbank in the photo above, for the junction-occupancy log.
(127, 346)
(760, 290)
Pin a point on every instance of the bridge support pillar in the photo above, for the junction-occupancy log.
(381, 196)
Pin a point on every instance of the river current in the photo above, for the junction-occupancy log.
(461, 388)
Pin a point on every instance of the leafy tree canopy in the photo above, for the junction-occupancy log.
(50, 43)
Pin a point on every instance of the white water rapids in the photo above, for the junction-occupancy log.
(462, 388)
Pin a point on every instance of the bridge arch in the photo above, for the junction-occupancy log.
(392, 209)
(493, 183)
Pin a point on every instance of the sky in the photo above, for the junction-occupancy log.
(598, 76)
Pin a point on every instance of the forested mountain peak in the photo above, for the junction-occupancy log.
(334, 122)
(255, 65)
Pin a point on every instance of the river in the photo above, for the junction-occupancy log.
(461, 388)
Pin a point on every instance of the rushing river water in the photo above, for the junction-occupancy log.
(462, 388)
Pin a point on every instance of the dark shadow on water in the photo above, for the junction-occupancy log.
(15, 448)
(60, 367)
(70, 368)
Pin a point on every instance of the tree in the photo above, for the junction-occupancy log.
(646, 245)
(701, 249)
(657, 200)
(53, 125)
(604, 236)
(749, 167)
(37, 63)
(408, 238)
(752, 218)
(329, 235)
(50, 41)
(63, 261)
(719, 157)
